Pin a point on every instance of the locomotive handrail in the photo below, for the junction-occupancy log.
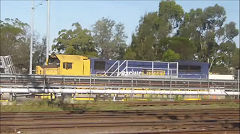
(118, 67)
(111, 67)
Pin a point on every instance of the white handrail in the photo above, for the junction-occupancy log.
(118, 67)
(110, 67)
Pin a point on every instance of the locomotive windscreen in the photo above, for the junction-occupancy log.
(53, 60)
(99, 65)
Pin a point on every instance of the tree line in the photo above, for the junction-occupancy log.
(169, 34)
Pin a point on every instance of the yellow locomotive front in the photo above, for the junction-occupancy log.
(74, 65)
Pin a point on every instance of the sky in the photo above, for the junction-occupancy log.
(63, 13)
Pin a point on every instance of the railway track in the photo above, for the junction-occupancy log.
(128, 121)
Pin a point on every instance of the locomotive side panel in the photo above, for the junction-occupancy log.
(192, 69)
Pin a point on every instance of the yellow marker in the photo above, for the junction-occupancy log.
(3, 100)
(193, 99)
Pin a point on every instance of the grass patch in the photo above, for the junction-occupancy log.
(108, 106)
(31, 106)
(189, 106)
(47, 106)
(96, 106)
(116, 106)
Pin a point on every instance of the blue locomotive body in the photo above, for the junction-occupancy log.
(179, 69)
(193, 69)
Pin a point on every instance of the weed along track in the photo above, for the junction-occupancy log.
(133, 118)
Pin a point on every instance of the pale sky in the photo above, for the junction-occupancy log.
(65, 12)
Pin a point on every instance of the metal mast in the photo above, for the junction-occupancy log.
(48, 29)
(31, 42)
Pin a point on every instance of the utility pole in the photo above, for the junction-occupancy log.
(32, 34)
(48, 29)
(31, 42)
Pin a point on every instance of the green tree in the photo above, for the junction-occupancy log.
(213, 39)
(130, 54)
(152, 36)
(14, 41)
(226, 53)
(39, 52)
(75, 41)
(201, 27)
(171, 12)
(109, 38)
(235, 58)
(226, 47)
(230, 31)
(183, 46)
(170, 55)
(200, 34)
(149, 33)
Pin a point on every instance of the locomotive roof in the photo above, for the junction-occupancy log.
(70, 58)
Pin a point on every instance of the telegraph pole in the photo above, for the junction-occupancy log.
(31, 42)
(48, 29)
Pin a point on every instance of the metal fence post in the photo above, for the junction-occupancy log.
(152, 67)
(132, 88)
(168, 69)
(90, 82)
(177, 69)
(238, 83)
(170, 86)
(208, 81)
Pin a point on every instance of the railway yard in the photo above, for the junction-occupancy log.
(132, 117)
(125, 105)
(176, 72)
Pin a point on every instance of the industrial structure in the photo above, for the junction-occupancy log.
(6, 65)
(114, 86)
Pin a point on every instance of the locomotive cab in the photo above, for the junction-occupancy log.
(74, 65)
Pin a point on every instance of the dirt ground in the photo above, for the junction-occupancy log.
(153, 118)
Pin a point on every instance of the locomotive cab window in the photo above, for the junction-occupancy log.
(53, 60)
(195, 68)
(67, 65)
(189, 68)
(99, 65)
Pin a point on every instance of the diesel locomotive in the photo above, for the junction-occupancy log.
(76, 65)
